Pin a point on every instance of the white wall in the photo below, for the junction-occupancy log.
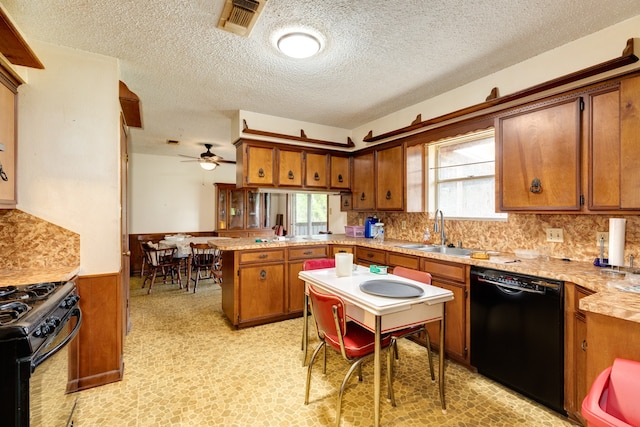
(167, 195)
(68, 150)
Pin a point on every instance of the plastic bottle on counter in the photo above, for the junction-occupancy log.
(426, 237)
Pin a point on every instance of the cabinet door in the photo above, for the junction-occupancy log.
(340, 173)
(259, 165)
(363, 197)
(290, 168)
(538, 158)
(222, 208)
(455, 335)
(254, 210)
(261, 291)
(316, 170)
(604, 150)
(345, 202)
(390, 179)
(236, 210)
(8, 139)
(629, 143)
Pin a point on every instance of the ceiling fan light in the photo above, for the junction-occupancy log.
(299, 45)
(208, 166)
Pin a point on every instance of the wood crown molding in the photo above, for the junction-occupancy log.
(301, 138)
(13, 46)
(628, 57)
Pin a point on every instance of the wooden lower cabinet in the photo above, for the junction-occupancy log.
(297, 256)
(262, 286)
(575, 351)
(454, 277)
(338, 249)
(368, 256)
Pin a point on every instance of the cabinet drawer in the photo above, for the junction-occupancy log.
(445, 270)
(307, 252)
(371, 256)
(407, 261)
(261, 256)
(337, 249)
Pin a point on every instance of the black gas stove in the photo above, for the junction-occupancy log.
(36, 321)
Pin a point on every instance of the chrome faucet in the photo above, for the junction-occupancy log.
(440, 227)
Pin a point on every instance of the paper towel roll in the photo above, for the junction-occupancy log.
(616, 241)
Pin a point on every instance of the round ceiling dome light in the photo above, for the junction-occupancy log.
(299, 45)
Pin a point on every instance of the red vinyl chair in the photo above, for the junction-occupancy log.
(311, 264)
(613, 398)
(418, 276)
(355, 343)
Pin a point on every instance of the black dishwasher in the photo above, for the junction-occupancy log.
(517, 333)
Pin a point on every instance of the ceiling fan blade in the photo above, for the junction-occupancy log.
(185, 161)
(227, 161)
(191, 157)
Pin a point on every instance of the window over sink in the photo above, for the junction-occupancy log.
(461, 176)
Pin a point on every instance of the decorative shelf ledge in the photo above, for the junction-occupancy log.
(628, 57)
(301, 138)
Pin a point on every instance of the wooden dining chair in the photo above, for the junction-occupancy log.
(311, 264)
(163, 261)
(207, 263)
(418, 276)
(355, 343)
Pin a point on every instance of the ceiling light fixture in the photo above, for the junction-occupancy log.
(208, 166)
(299, 45)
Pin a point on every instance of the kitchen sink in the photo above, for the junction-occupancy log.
(439, 249)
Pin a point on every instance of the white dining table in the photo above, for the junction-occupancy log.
(183, 245)
(383, 315)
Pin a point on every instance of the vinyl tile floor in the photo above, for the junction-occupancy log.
(185, 365)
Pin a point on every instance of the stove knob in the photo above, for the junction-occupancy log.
(53, 322)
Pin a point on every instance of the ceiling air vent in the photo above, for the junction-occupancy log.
(239, 16)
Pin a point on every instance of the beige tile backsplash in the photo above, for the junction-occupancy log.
(29, 242)
(519, 231)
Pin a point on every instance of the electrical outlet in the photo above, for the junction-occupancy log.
(602, 235)
(404, 225)
(555, 235)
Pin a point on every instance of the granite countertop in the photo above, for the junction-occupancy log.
(33, 275)
(607, 299)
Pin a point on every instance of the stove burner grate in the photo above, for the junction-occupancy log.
(7, 290)
(12, 311)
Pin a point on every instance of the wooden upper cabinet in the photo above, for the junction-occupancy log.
(258, 165)
(316, 174)
(8, 142)
(538, 157)
(340, 173)
(630, 144)
(363, 196)
(603, 134)
(290, 168)
(390, 178)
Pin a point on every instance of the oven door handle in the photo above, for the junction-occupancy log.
(38, 359)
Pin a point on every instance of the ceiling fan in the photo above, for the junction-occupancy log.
(208, 160)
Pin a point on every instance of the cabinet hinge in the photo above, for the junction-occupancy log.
(466, 293)
(582, 200)
(581, 105)
(238, 273)
(466, 351)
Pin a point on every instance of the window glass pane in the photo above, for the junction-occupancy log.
(470, 198)
(309, 213)
(463, 160)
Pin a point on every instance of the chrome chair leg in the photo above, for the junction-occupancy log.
(313, 358)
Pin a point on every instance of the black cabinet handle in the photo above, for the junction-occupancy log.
(308, 252)
(362, 196)
(339, 177)
(290, 174)
(536, 186)
(260, 173)
(263, 275)
(583, 345)
(316, 176)
(388, 194)
(369, 255)
(346, 203)
(263, 256)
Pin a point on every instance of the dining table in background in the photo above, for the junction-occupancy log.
(183, 248)
(383, 315)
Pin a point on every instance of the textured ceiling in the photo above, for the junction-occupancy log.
(378, 56)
